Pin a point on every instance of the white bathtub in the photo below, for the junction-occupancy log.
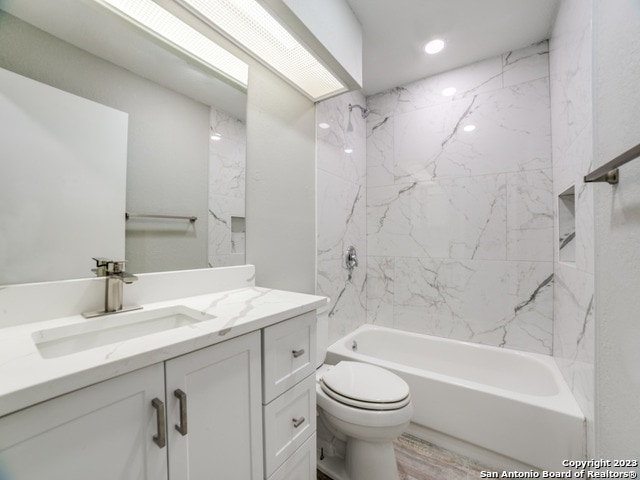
(513, 403)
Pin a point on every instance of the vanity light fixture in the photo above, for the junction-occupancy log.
(449, 92)
(250, 26)
(161, 24)
(434, 46)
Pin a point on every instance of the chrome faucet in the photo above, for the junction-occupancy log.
(116, 278)
(351, 258)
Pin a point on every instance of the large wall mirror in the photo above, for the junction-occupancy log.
(185, 144)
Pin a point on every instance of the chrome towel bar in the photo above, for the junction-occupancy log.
(192, 219)
(609, 171)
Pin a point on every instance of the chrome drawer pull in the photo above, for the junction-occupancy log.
(160, 439)
(297, 422)
(180, 395)
(297, 353)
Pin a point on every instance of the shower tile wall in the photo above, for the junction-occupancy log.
(341, 212)
(227, 160)
(572, 127)
(460, 223)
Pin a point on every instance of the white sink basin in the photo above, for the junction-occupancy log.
(100, 331)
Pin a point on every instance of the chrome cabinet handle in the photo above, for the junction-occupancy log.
(297, 353)
(180, 395)
(297, 422)
(160, 439)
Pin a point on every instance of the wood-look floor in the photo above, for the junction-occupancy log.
(419, 460)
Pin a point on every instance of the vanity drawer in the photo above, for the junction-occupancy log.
(289, 354)
(289, 421)
(301, 465)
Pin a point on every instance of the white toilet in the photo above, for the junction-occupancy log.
(361, 409)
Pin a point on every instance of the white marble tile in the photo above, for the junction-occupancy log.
(574, 302)
(380, 154)
(346, 131)
(506, 304)
(512, 134)
(347, 292)
(221, 238)
(571, 67)
(451, 218)
(347, 166)
(426, 139)
(341, 211)
(380, 290)
(526, 64)
(460, 223)
(227, 167)
(341, 214)
(574, 330)
(530, 216)
(585, 234)
(470, 80)
(219, 222)
(227, 156)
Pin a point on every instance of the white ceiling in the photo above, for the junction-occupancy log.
(395, 32)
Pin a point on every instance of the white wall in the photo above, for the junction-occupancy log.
(617, 230)
(281, 184)
(460, 224)
(571, 72)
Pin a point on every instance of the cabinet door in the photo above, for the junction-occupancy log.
(222, 389)
(102, 432)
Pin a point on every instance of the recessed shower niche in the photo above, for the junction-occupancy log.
(567, 226)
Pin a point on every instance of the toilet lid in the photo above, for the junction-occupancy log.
(366, 386)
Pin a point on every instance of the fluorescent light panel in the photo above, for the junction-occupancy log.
(252, 27)
(170, 29)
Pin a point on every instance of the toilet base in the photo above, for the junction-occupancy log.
(371, 461)
(365, 460)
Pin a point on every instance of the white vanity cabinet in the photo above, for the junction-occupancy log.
(101, 432)
(223, 437)
(289, 398)
(115, 429)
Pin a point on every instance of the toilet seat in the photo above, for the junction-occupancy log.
(365, 386)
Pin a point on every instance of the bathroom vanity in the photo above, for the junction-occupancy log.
(195, 385)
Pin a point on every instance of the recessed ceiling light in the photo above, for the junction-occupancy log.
(324, 125)
(434, 46)
(348, 150)
(449, 91)
(216, 137)
(469, 128)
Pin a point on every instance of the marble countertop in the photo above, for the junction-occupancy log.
(27, 378)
